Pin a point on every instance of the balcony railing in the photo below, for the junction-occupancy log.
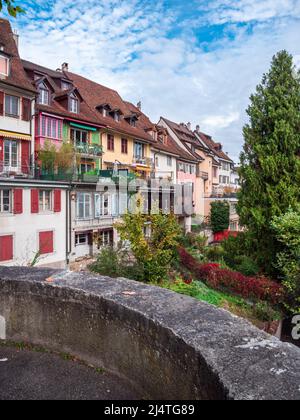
(203, 175)
(143, 161)
(17, 170)
(89, 149)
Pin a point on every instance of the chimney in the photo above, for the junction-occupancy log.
(198, 128)
(189, 125)
(16, 38)
(139, 105)
(65, 67)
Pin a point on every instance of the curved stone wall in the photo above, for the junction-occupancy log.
(169, 346)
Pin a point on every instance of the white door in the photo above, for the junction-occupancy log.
(11, 155)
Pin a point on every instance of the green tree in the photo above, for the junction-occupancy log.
(12, 9)
(287, 231)
(219, 216)
(156, 251)
(270, 165)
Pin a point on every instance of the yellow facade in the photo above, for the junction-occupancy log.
(117, 156)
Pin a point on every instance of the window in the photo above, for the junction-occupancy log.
(11, 155)
(139, 150)
(51, 127)
(102, 205)
(117, 116)
(110, 143)
(74, 104)
(225, 166)
(46, 243)
(215, 172)
(12, 106)
(65, 85)
(6, 248)
(4, 66)
(45, 201)
(84, 206)
(125, 146)
(169, 161)
(156, 162)
(82, 239)
(79, 137)
(106, 238)
(86, 167)
(43, 98)
(5, 201)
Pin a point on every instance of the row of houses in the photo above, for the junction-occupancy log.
(58, 205)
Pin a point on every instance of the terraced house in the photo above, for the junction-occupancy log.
(33, 214)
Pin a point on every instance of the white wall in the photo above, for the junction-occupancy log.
(25, 229)
(163, 169)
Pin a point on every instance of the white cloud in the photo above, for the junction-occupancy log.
(124, 44)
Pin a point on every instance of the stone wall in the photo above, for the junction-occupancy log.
(169, 346)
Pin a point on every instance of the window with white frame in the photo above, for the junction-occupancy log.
(12, 106)
(51, 127)
(84, 206)
(74, 104)
(103, 205)
(106, 238)
(79, 137)
(11, 155)
(45, 201)
(43, 98)
(169, 161)
(81, 239)
(4, 65)
(5, 201)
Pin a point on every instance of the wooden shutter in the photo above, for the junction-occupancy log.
(18, 201)
(57, 201)
(1, 103)
(6, 248)
(26, 111)
(46, 245)
(25, 157)
(34, 201)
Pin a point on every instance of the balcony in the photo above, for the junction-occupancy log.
(139, 161)
(203, 175)
(15, 170)
(89, 150)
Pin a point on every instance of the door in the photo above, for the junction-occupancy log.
(11, 158)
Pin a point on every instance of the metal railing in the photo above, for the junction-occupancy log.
(89, 149)
(143, 161)
(18, 170)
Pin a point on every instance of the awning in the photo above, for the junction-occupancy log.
(142, 168)
(83, 127)
(15, 136)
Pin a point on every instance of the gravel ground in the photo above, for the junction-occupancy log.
(26, 374)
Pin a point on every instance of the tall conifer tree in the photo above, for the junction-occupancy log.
(270, 163)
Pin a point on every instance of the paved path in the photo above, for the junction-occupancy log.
(31, 375)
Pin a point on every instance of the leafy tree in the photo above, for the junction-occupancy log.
(156, 251)
(270, 165)
(287, 231)
(219, 216)
(12, 9)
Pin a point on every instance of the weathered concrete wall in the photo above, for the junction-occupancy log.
(169, 346)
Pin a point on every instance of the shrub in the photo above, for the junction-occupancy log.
(214, 253)
(248, 287)
(246, 266)
(219, 216)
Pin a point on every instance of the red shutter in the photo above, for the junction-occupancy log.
(46, 243)
(1, 103)
(18, 201)
(57, 201)
(34, 201)
(26, 112)
(25, 157)
(6, 248)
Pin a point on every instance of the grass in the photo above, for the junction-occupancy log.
(257, 313)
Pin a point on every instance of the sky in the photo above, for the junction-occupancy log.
(187, 60)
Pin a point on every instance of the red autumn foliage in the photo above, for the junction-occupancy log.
(248, 287)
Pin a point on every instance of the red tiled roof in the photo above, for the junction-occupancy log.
(172, 147)
(214, 147)
(56, 108)
(17, 75)
(95, 94)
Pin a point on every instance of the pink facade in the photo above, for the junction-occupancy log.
(187, 178)
(49, 128)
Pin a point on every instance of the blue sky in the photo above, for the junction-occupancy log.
(191, 61)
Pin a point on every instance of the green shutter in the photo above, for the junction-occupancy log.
(66, 135)
(96, 138)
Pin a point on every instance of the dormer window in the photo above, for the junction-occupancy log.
(65, 85)
(74, 104)
(4, 66)
(117, 116)
(43, 98)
